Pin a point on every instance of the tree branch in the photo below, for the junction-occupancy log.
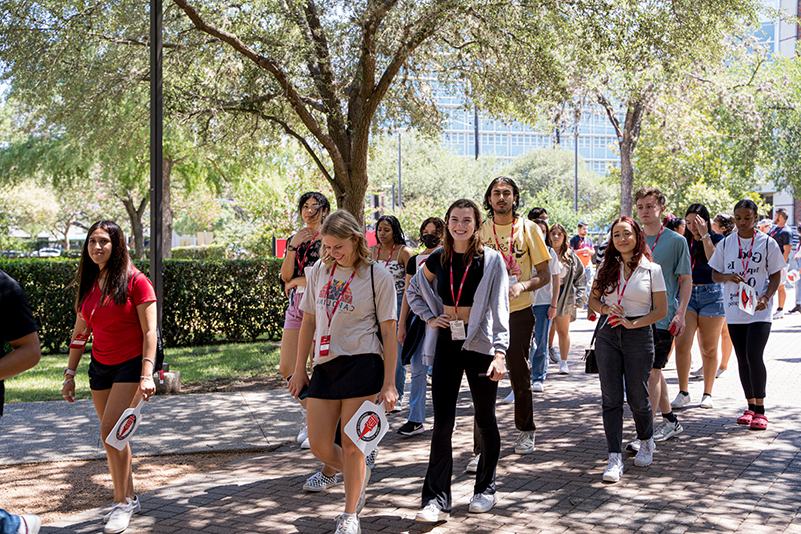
(610, 112)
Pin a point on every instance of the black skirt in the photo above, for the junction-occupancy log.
(348, 377)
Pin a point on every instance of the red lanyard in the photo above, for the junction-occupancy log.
(390, 253)
(742, 258)
(626, 283)
(457, 298)
(302, 259)
(511, 244)
(661, 229)
(329, 313)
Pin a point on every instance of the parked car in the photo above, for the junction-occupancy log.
(47, 252)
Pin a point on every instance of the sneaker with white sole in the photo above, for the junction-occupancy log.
(667, 431)
(706, 402)
(680, 401)
(646, 453)
(537, 386)
(553, 354)
(509, 399)
(430, 513)
(614, 470)
(29, 524)
(305, 444)
(633, 446)
(410, 429)
(698, 372)
(719, 372)
(348, 525)
(525, 443)
(563, 370)
(778, 315)
(120, 516)
(319, 482)
(472, 465)
(481, 503)
(369, 460)
(367, 472)
(303, 435)
(136, 508)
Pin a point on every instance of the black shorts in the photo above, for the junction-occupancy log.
(102, 376)
(348, 377)
(663, 342)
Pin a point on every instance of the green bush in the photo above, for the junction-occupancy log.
(204, 301)
(207, 252)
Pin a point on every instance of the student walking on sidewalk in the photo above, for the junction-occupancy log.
(116, 304)
(347, 300)
(749, 265)
(462, 292)
(629, 294)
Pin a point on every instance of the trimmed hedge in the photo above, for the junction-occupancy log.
(204, 301)
(205, 252)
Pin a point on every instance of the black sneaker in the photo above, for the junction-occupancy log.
(410, 429)
(796, 309)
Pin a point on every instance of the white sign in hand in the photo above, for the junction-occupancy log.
(125, 427)
(367, 426)
(747, 298)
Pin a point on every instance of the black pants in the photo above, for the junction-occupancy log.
(450, 363)
(749, 342)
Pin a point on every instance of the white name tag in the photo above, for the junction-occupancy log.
(300, 290)
(746, 298)
(513, 279)
(457, 330)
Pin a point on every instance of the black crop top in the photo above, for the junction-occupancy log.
(474, 275)
(702, 272)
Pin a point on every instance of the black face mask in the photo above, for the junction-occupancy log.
(430, 240)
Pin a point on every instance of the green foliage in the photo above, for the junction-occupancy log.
(204, 301)
(211, 366)
(205, 252)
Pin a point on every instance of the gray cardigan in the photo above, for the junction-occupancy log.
(575, 289)
(488, 325)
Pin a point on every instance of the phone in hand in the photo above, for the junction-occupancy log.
(674, 330)
(303, 392)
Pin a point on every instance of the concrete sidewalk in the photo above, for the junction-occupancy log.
(714, 477)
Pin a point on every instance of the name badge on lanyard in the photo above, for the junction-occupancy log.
(325, 341)
(457, 326)
(513, 279)
(457, 330)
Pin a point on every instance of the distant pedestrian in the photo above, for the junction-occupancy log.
(538, 213)
(677, 224)
(752, 258)
(462, 293)
(347, 301)
(546, 299)
(116, 304)
(585, 249)
(629, 294)
(784, 238)
(302, 251)
(572, 295)
(18, 329)
(392, 253)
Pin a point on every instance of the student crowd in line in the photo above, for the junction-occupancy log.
(486, 298)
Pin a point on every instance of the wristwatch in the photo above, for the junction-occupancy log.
(290, 248)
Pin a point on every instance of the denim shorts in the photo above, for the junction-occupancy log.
(707, 300)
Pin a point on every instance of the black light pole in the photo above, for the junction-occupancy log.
(156, 151)
(399, 175)
(475, 126)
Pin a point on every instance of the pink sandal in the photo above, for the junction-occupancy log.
(746, 418)
(759, 422)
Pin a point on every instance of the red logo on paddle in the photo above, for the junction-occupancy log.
(368, 426)
(125, 429)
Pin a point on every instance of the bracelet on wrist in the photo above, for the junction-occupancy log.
(69, 372)
(143, 377)
(67, 381)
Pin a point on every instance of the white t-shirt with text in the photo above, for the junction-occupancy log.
(543, 295)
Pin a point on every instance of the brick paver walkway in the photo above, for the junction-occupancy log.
(715, 477)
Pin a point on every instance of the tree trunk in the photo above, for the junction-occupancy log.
(166, 210)
(136, 227)
(626, 177)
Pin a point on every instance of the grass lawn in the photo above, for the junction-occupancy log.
(211, 364)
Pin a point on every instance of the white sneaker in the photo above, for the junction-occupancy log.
(525, 443)
(319, 482)
(509, 399)
(472, 465)
(553, 354)
(634, 445)
(680, 401)
(481, 502)
(368, 470)
(29, 524)
(120, 516)
(563, 370)
(667, 431)
(304, 433)
(305, 444)
(431, 514)
(778, 315)
(614, 470)
(698, 372)
(646, 453)
(537, 386)
(136, 508)
(348, 525)
(719, 372)
(706, 402)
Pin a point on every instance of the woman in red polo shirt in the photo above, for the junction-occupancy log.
(117, 305)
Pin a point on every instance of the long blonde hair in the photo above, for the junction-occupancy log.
(343, 225)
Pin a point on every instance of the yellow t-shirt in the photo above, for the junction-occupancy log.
(529, 250)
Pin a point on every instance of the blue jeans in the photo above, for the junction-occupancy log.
(538, 354)
(9, 523)
(417, 394)
(588, 274)
(400, 369)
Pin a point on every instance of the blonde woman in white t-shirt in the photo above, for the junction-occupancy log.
(629, 293)
(346, 301)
